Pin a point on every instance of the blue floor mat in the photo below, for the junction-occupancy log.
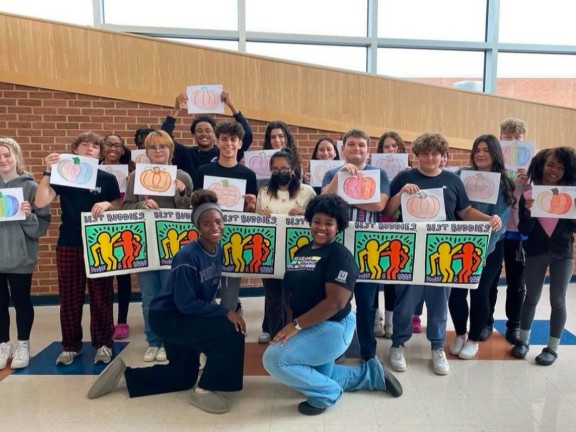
(540, 332)
(44, 363)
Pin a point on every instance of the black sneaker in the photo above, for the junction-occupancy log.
(520, 350)
(546, 357)
(485, 333)
(309, 410)
(512, 335)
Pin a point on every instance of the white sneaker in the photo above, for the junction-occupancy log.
(264, 338)
(378, 329)
(468, 351)
(161, 355)
(388, 330)
(6, 350)
(151, 353)
(21, 356)
(440, 362)
(397, 359)
(457, 344)
(103, 355)
(67, 357)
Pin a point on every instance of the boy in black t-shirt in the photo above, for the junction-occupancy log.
(70, 258)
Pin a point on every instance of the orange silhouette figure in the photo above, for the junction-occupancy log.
(130, 244)
(260, 251)
(397, 256)
(470, 257)
(190, 237)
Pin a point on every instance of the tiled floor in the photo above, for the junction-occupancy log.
(496, 395)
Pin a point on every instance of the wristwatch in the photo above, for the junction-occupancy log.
(296, 325)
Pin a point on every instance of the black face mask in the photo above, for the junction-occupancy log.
(282, 179)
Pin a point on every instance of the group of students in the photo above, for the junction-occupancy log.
(174, 302)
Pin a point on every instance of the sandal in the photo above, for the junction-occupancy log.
(121, 331)
(546, 357)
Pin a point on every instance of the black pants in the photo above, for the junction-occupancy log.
(516, 285)
(17, 286)
(275, 305)
(479, 310)
(185, 337)
(124, 289)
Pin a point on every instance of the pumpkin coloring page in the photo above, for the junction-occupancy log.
(152, 179)
(139, 156)
(392, 163)
(553, 201)
(10, 200)
(517, 154)
(75, 171)
(205, 99)
(230, 191)
(424, 205)
(319, 167)
(259, 162)
(118, 171)
(362, 188)
(481, 186)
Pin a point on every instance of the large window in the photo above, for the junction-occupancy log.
(454, 20)
(207, 15)
(69, 11)
(315, 17)
(227, 45)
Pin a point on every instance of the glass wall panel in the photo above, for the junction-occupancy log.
(333, 56)
(460, 69)
(317, 17)
(205, 15)
(68, 11)
(547, 78)
(439, 19)
(227, 45)
(538, 22)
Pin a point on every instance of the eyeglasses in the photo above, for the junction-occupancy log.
(161, 147)
(280, 171)
(115, 145)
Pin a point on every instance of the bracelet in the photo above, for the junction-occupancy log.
(47, 173)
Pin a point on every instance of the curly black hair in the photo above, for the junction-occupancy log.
(332, 205)
(564, 155)
(202, 196)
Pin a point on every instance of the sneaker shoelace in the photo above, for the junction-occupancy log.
(5, 350)
(20, 353)
(104, 351)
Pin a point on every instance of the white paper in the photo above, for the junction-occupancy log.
(205, 99)
(553, 201)
(139, 156)
(230, 191)
(259, 162)
(319, 167)
(119, 171)
(75, 171)
(481, 186)
(392, 163)
(154, 179)
(424, 205)
(362, 188)
(10, 200)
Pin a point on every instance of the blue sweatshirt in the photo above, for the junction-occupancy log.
(193, 282)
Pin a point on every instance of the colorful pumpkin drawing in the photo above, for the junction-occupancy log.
(516, 155)
(204, 98)
(156, 179)
(260, 164)
(423, 206)
(74, 171)
(8, 205)
(391, 165)
(228, 195)
(120, 176)
(554, 202)
(478, 186)
(359, 187)
(142, 159)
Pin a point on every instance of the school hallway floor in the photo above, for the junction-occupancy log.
(494, 393)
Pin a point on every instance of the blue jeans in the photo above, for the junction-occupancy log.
(306, 363)
(364, 294)
(151, 283)
(407, 298)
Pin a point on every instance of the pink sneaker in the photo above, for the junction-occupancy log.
(121, 331)
(416, 324)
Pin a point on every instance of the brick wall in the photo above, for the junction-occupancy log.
(44, 120)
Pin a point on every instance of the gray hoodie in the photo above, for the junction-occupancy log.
(19, 239)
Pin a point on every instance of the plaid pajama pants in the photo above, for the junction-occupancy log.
(71, 289)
